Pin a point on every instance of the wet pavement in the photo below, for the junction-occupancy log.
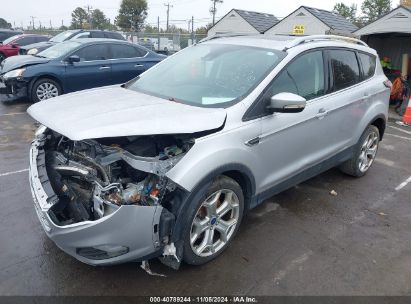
(304, 241)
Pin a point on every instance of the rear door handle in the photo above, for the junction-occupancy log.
(104, 67)
(321, 113)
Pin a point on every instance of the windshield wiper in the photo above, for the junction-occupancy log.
(39, 56)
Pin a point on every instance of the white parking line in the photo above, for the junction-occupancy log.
(403, 184)
(12, 114)
(13, 172)
(399, 129)
(398, 136)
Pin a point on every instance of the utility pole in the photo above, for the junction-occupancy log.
(40, 24)
(51, 27)
(158, 38)
(213, 9)
(192, 30)
(89, 12)
(32, 21)
(168, 5)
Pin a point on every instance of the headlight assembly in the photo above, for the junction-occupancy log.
(40, 131)
(32, 52)
(14, 74)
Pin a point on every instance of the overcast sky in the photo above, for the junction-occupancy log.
(19, 11)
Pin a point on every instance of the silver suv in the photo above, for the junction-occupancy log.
(167, 164)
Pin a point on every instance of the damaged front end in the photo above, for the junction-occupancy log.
(107, 201)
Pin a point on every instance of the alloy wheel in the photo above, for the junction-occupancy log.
(368, 151)
(214, 223)
(46, 90)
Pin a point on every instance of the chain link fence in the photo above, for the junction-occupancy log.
(159, 42)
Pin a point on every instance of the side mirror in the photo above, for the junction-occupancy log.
(287, 103)
(73, 58)
(15, 45)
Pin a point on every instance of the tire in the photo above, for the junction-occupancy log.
(2, 57)
(366, 147)
(50, 87)
(224, 191)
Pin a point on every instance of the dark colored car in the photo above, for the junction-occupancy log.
(35, 48)
(6, 33)
(73, 66)
(11, 45)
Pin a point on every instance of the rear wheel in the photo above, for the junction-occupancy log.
(45, 88)
(364, 154)
(2, 57)
(213, 221)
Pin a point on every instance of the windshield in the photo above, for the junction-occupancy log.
(59, 50)
(209, 75)
(62, 36)
(12, 38)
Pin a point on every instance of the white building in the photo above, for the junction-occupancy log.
(244, 22)
(312, 21)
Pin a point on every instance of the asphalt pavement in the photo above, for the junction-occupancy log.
(303, 241)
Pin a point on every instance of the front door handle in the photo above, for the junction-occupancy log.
(104, 67)
(139, 66)
(321, 113)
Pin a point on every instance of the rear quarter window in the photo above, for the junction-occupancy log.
(112, 35)
(368, 64)
(345, 69)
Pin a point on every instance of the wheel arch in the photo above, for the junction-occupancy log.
(379, 122)
(238, 172)
(46, 76)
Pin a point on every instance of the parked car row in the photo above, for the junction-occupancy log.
(12, 45)
(35, 48)
(73, 65)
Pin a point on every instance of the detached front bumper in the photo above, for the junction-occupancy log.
(13, 89)
(131, 233)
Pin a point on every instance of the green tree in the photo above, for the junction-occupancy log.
(348, 12)
(132, 14)
(373, 9)
(203, 30)
(79, 18)
(4, 24)
(99, 20)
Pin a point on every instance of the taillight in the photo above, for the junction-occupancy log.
(388, 84)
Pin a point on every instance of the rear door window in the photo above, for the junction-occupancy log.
(26, 40)
(112, 35)
(93, 52)
(120, 51)
(97, 34)
(368, 63)
(345, 68)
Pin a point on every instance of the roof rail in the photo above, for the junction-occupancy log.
(226, 35)
(302, 40)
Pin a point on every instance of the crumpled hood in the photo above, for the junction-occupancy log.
(16, 62)
(114, 111)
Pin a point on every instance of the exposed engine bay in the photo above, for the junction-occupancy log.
(93, 178)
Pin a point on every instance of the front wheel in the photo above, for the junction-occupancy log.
(364, 154)
(213, 221)
(2, 57)
(45, 88)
